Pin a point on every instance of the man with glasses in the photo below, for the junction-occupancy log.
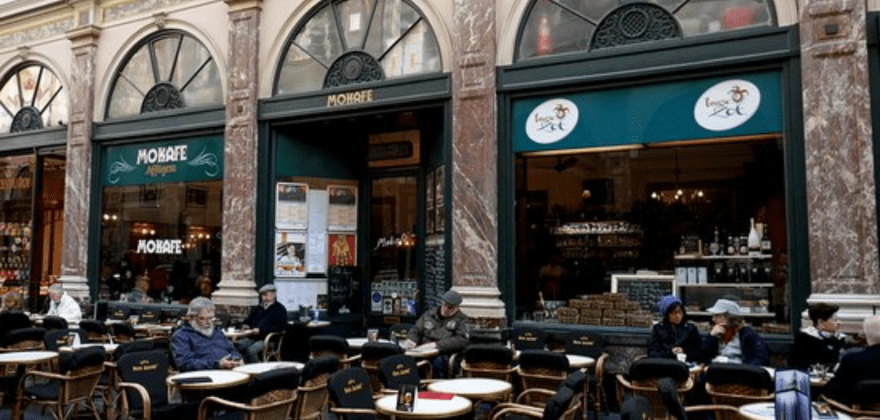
(443, 328)
(201, 345)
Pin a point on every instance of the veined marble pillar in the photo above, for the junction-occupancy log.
(77, 193)
(474, 156)
(237, 287)
(839, 157)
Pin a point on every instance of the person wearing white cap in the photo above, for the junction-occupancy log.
(443, 328)
(268, 317)
(731, 340)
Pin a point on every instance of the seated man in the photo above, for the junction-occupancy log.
(820, 343)
(268, 317)
(63, 305)
(443, 328)
(200, 345)
(857, 365)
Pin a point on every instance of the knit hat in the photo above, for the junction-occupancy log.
(451, 298)
(268, 288)
(724, 306)
(666, 304)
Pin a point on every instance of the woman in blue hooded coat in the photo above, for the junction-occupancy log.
(674, 335)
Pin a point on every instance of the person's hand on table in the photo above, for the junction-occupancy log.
(229, 362)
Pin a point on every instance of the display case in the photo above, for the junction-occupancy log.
(700, 280)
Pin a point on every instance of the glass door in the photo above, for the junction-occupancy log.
(393, 245)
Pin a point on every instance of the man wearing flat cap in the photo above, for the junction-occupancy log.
(443, 328)
(268, 317)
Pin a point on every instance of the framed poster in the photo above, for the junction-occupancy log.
(342, 208)
(291, 206)
(439, 201)
(342, 249)
(429, 202)
(290, 254)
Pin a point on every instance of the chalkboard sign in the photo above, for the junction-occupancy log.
(343, 290)
(646, 289)
(435, 271)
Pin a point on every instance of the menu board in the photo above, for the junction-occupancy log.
(343, 290)
(647, 289)
(435, 271)
(291, 209)
(342, 208)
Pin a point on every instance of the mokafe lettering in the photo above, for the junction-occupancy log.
(350, 98)
(159, 246)
(160, 160)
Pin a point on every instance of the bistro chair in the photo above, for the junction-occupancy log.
(578, 381)
(312, 392)
(865, 396)
(351, 396)
(96, 331)
(54, 322)
(272, 346)
(142, 386)
(65, 391)
(401, 369)
(13, 320)
(738, 384)
(488, 361)
(599, 375)
(399, 332)
(23, 339)
(118, 313)
(122, 332)
(583, 343)
(325, 344)
(644, 374)
(562, 405)
(668, 390)
(56, 339)
(529, 338)
(270, 396)
(371, 354)
(149, 316)
(542, 369)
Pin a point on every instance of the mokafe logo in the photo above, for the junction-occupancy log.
(552, 121)
(727, 105)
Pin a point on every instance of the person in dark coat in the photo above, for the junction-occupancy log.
(268, 317)
(819, 343)
(674, 335)
(200, 345)
(857, 366)
(730, 340)
(443, 328)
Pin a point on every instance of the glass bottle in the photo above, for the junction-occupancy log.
(715, 246)
(766, 247)
(754, 240)
(743, 245)
(731, 245)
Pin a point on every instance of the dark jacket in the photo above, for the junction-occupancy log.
(754, 349)
(665, 336)
(450, 334)
(810, 348)
(268, 320)
(854, 367)
(194, 351)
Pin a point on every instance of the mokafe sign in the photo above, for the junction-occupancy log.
(159, 246)
(169, 161)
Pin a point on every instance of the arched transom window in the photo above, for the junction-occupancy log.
(345, 42)
(32, 98)
(168, 70)
(564, 26)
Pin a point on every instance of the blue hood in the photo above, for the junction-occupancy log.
(666, 303)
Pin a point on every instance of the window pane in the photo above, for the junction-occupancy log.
(56, 113)
(392, 19)
(300, 73)
(320, 38)
(165, 49)
(716, 16)
(126, 100)
(205, 88)
(393, 268)
(354, 16)
(164, 236)
(553, 30)
(139, 71)
(416, 53)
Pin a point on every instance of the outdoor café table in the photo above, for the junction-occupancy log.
(579, 362)
(477, 389)
(358, 342)
(27, 358)
(422, 353)
(255, 368)
(767, 411)
(234, 334)
(108, 347)
(154, 330)
(425, 408)
(193, 386)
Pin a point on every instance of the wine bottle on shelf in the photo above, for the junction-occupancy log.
(766, 247)
(731, 245)
(754, 240)
(743, 245)
(715, 246)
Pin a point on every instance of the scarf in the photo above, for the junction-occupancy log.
(729, 333)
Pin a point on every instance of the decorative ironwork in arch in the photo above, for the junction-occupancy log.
(552, 27)
(167, 70)
(635, 23)
(31, 98)
(345, 42)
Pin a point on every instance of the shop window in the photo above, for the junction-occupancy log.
(169, 70)
(685, 211)
(31, 98)
(564, 26)
(357, 41)
(393, 242)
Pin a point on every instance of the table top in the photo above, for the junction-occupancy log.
(767, 411)
(422, 353)
(218, 379)
(358, 342)
(234, 334)
(577, 361)
(472, 387)
(425, 408)
(110, 348)
(255, 368)
(27, 356)
(311, 324)
(154, 327)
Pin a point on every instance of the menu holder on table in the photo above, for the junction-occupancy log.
(824, 411)
(431, 395)
(192, 380)
(406, 397)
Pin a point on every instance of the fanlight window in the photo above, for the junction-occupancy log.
(32, 98)
(169, 70)
(356, 41)
(564, 26)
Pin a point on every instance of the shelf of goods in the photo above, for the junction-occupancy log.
(587, 239)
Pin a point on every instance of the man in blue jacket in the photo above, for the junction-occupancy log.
(857, 366)
(200, 345)
(268, 317)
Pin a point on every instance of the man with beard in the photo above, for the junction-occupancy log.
(268, 317)
(200, 345)
(443, 328)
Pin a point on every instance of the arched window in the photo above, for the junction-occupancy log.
(564, 26)
(346, 42)
(168, 70)
(32, 98)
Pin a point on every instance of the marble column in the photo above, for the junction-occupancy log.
(474, 155)
(839, 157)
(74, 253)
(237, 287)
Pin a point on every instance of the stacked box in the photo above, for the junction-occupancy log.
(639, 318)
(591, 313)
(614, 297)
(578, 303)
(589, 320)
(627, 305)
(604, 305)
(614, 322)
(614, 313)
(567, 315)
